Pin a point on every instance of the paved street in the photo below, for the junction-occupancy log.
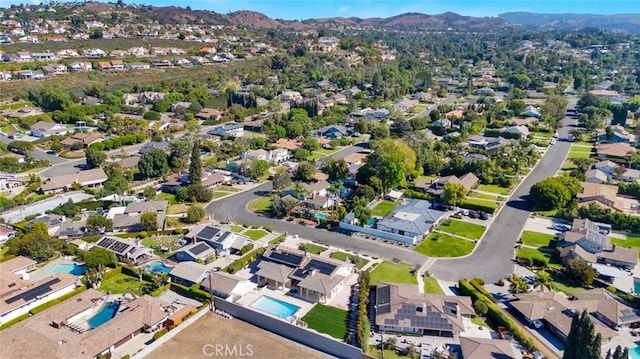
(493, 258)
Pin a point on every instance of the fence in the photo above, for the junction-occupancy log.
(289, 331)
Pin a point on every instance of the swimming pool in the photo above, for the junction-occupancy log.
(156, 267)
(634, 353)
(106, 313)
(320, 215)
(73, 269)
(275, 307)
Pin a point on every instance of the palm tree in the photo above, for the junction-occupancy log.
(518, 285)
(543, 280)
(335, 189)
(301, 192)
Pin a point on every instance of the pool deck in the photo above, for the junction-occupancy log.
(251, 297)
(45, 270)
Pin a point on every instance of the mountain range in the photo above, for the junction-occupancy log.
(408, 21)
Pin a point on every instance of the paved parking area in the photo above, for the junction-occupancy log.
(542, 225)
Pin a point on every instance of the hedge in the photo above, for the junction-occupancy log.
(133, 272)
(14, 321)
(537, 261)
(112, 273)
(194, 293)
(151, 233)
(51, 303)
(478, 207)
(159, 290)
(160, 333)
(243, 261)
(279, 239)
(478, 283)
(496, 314)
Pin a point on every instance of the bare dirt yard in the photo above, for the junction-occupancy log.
(235, 339)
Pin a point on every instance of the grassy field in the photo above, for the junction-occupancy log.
(236, 228)
(260, 205)
(480, 202)
(536, 239)
(169, 197)
(576, 154)
(493, 189)
(346, 257)
(4, 256)
(177, 208)
(227, 189)
(328, 320)
(123, 283)
(442, 245)
(492, 197)
(255, 234)
(383, 208)
(394, 273)
(218, 194)
(630, 242)
(431, 286)
(527, 252)
(314, 248)
(464, 229)
(568, 166)
(575, 148)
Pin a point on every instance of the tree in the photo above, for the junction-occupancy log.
(259, 168)
(454, 193)
(411, 352)
(361, 210)
(195, 167)
(481, 307)
(195, 214)
(393, 162)
(361, 126)
(301, 154)
(581, 271)
(390, 343)
(550, 193)
(98, 224)
(543, 280)
(518, 285)
(582, 341)
(304, 172)
(335, 169)
(99, 257)
(310, 144)
(179, 154)
(519, 80)
(56, 146)
(618, 353)
(95, 158)
(93, 277)
(153, 164)
(281, 179)
(149, 221)
(22, 147)
(283, 206)
(149, 192)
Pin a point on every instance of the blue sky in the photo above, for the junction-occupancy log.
(304, 9)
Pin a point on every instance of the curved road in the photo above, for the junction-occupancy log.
(493, 258)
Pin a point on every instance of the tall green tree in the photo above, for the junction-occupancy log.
(149, 221)
(195, 167)
(582, 341)
(454, 193)
(153, 164)
(95, 157)
(179, 154)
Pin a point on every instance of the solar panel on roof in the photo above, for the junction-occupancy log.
(105, 242)
(208, 232)
(286, 257)
(201, 247)
(33, 293)
(322, 267)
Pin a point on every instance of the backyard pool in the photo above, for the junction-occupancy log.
(634, 353)
(106, 313)
(73, 269)
(156, 267)
(636, 286)
(275, 307)
(320, 215)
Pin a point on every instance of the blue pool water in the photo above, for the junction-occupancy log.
(156, 267)
(634, 353)
(276, 307)
(320, 215)
(636, 286)
(106, 313)
(73, 269)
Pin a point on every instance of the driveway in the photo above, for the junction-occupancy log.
(493, 257)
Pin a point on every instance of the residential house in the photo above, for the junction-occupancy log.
(279, 155)
(614, 151)
(53, 221)
(257, 154)
(125, 250)
(607, 167)
(66, 53)
(401, 308)
(311, 277)
(90, 178)
(129, 220)
(596, 176)
(118, 53)
(9, 182)
(555, 311)
(531, 111)
(618, 134)
(586, 235)
(113, 65)
(228, 286)
(43, 56)
(138, 51)
(601, 195)
(55, 69)
(62, 331)
(332, 132)
(6, 76)
(209, 114)
(138, 66)
(81, 66)
(148, 147)
(6, 233)
(20, 294)
(83, 139)
(405, 105)
(318, 188)
(195, 252)
(232, 129)
(290, 96)
(188, 273)
(128, 162)
(29, 75)
(222, 241)
(468, 180)
(94, 53)
(177, 180)
(486, 348)
(629, 175)
(523, 131)
(71, 229)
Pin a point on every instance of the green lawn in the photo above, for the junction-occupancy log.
(374, 351)
(346, 257)
(493, 188)
(260, 205)
(328, 320)
(575, 154)
(314, 248)
(255, 234)
(218, 194)
(236, 228)
(227, 189)
(394, 273)
(464, 229)
(568, 166)
(563, 284)
(575, 148)
(493, 197)
(431, 286)
(630, 242)
(544, 212)
(442, 245)
(123, 283)
(536, 239)
(169, 197)
(489, 204)
(3, 254)
(383, 208)
(582, 143)
(526, 252)
(315, 156)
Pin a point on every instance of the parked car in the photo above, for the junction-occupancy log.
(456, 216)
(537, 324)
(474, 214)
(484, 215)
(560, 227)
(529, 279)
(553, 141)
(464, 212)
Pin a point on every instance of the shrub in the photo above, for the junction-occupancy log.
(160, 333)
(143, 234)
(478, 283)
(268, 228)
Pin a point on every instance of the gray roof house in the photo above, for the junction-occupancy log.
(90, 178)
(188, 273)
(129, 221)
(125, 250)
(222, 241)
(414, 220)
(228, 286)
(199, 251)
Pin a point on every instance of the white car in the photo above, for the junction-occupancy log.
(553, 141)
(537, 324)
(556, 135)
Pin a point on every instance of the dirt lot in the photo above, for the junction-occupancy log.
(216, 332)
